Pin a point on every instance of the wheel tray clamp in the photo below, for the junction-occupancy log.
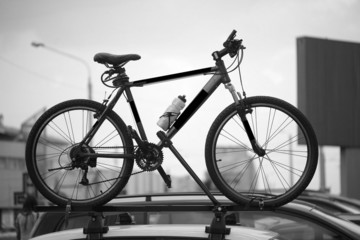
(218, 229)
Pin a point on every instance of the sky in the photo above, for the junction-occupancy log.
(171, 36)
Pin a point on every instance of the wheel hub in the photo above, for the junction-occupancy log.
(78, 161)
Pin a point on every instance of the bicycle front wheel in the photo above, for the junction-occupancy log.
(289, 163)
(53, 154)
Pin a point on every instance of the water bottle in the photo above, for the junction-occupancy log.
(171, 112)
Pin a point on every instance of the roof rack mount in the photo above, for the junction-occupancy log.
(218, 229)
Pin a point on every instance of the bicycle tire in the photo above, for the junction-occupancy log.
(282, 173)
(58, 175)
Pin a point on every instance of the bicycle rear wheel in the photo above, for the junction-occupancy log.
(54, 164)
(282, 173)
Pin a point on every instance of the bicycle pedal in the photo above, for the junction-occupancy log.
(168, 182)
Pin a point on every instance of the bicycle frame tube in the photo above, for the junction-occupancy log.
(135, 113)
(161, 79)
(101, 118)
(196, 103)
(190, 110)
(125, 88)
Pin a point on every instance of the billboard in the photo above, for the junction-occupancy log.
(328, 76)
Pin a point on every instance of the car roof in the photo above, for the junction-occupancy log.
(187, 202)
(162, 230)
(334, 202)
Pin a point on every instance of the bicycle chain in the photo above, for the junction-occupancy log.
(112, 147)
(116, 177)
(107, 180)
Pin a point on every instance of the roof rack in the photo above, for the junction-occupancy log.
(152, 203)
(95, 228)
(148, 208)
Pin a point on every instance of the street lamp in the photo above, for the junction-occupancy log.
(39, 44)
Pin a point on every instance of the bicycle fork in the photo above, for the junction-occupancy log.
(242, 111)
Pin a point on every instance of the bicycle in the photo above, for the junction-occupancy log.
(81, 151)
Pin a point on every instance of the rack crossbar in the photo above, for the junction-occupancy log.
(149, 208)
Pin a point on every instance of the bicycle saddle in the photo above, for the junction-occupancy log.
(107, 58)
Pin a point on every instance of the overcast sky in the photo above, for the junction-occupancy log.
(171, 36)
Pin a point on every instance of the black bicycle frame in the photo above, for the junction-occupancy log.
(217, 78)
(190, 110)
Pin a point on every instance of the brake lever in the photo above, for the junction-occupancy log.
(234, 46)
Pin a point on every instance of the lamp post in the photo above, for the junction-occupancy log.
(38, 44)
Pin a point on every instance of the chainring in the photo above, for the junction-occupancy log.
(149, 157)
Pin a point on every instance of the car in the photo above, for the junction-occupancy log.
(295, 220)
(332, 202)
(331, 205)
(160, 232)
(346, 208)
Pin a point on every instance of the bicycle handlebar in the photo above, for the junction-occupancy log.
(232, 46)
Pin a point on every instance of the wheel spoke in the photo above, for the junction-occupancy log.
(47, 156)
(76, 186)
(231, 166)
(107, 138)
(286, 167)
(110, 167)
(235, 140)
(60, 182)
(277, 131)
(240, 175)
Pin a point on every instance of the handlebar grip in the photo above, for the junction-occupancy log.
(231, 36)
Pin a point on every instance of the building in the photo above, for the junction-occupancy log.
(328, 94)
(13, 177)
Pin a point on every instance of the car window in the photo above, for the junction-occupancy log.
(74, 222)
